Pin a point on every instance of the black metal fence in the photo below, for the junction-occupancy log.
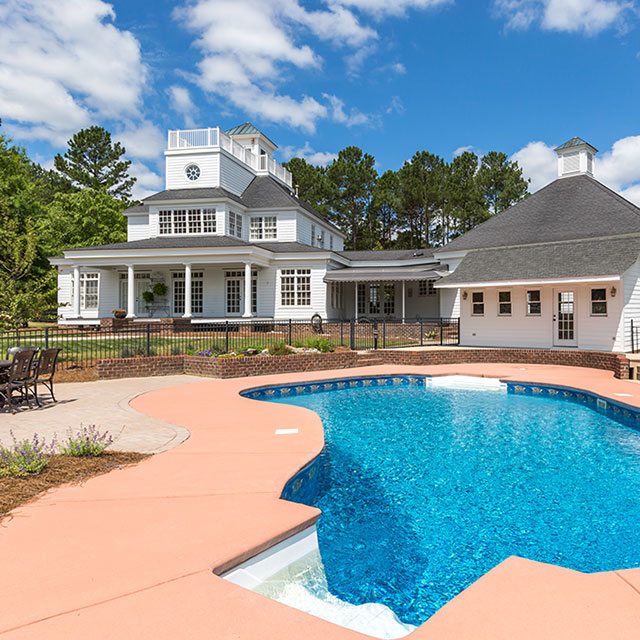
(83, 347)
(635, 337)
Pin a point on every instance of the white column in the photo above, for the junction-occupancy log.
(187, 291)
(404, 299)
(131, 292)
(76, 292)
(355, 299)
(247, 290)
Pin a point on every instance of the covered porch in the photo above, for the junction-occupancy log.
(381, 293)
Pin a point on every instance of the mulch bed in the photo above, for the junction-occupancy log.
(60, 470)
(87, 374)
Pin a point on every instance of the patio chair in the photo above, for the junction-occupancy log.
(19, 376)
(11, 351)
(45, 370)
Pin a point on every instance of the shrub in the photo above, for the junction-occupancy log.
(321, 344)
(159, 289)
(130, 351)
(87, 442)
(25, 457)
(280, 349)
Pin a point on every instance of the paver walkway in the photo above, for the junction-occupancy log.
(104, 403)
(132, 554)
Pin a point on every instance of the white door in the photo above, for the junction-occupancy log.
(564, 318)
(234, 296)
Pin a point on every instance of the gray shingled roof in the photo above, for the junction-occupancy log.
(574, 142)
(139, 208)
(263, 192)
(200, 242)
(582, 258)
(567, 209)
(388, 254)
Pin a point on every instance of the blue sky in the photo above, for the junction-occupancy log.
(391, 76)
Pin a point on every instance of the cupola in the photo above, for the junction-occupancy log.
(575, 157)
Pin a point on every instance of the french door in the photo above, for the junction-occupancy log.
(564, 318)
(142, 283)
(234, 295)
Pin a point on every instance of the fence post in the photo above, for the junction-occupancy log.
(421, 333)
(375, 336)
(46, 337)
(290, 335)
(384, 334)
(226, 336)
(352, 336)
(148, 340)
(341, 333)
(458, 340)
(633, 339)
(441, 331)
(17, 338)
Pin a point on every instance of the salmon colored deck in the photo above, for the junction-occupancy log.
(131, 554)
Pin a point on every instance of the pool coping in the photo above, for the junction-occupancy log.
(214, 501)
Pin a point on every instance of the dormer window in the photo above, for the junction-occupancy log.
(264, 228)
(192, 172)
(179, 222)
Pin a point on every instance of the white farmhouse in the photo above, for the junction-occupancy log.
(558, 269)
(228, 238)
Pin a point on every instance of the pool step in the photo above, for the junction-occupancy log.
(369, 359)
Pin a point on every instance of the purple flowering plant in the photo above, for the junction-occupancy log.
(87, 441)
(25, 457)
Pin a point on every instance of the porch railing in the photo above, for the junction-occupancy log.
(82, 348)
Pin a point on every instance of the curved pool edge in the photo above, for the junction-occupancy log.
(215, 498)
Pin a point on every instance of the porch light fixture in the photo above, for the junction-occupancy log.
(465, 295)
(613, 292)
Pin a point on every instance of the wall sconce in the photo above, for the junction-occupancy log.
(465, 295)
(613, 292)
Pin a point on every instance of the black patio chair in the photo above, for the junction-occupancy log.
(19, 376)
(45, 370)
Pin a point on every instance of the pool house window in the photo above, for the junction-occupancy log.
(89, 290)
(180, 222)
(477, 303)
(264, 228)
(598, 302)
(426, 288)
(295, 287)
(337, 294)
(504, 303)
(534, 305)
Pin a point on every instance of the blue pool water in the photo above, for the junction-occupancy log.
(422, 490)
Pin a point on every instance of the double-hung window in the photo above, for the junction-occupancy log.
(426, 288)
(235, 224)
(89, 290)
(598, 302)
(534, 305)
(186, 221)
(504, 303)
(477, 303)
(264, 228)
(295, 287)
(313, 235)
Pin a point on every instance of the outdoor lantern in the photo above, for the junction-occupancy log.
(613, 292)
(465, 295)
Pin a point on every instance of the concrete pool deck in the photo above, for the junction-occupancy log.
(133, 553)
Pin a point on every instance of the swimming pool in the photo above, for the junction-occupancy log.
(423, 488)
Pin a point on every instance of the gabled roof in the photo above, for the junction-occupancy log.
(263, 192)
(573, 208)
(388, 254)
(577, 259)
(574, 142)
(248, 129)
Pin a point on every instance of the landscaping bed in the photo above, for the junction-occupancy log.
(61, 469)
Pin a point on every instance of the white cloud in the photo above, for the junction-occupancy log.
(248, 71)
(396, 105)
(318, 158)
(588, 16)
(460, 150)
(63, 64)
(539, 163)
(338, 113)
(618, 167)
(147, 181)
(144, 140)
(181, 102)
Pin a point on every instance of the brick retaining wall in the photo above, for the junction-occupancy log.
(263, 365)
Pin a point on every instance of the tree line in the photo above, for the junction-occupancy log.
(425, 203)
(80, 203)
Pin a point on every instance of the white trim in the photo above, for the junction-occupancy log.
(515, 283)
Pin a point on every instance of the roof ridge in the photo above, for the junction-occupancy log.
(630, 205)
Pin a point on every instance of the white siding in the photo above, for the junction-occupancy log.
(519, 330)
(209, 164)
(138, 227)
(109, 293)
(65, 303)
(631, 293)
(303, 232)
(318, 292)
(234, 176)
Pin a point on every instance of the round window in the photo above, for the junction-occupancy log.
(192, 171)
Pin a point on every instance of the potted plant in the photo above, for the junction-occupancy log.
(120, 314)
